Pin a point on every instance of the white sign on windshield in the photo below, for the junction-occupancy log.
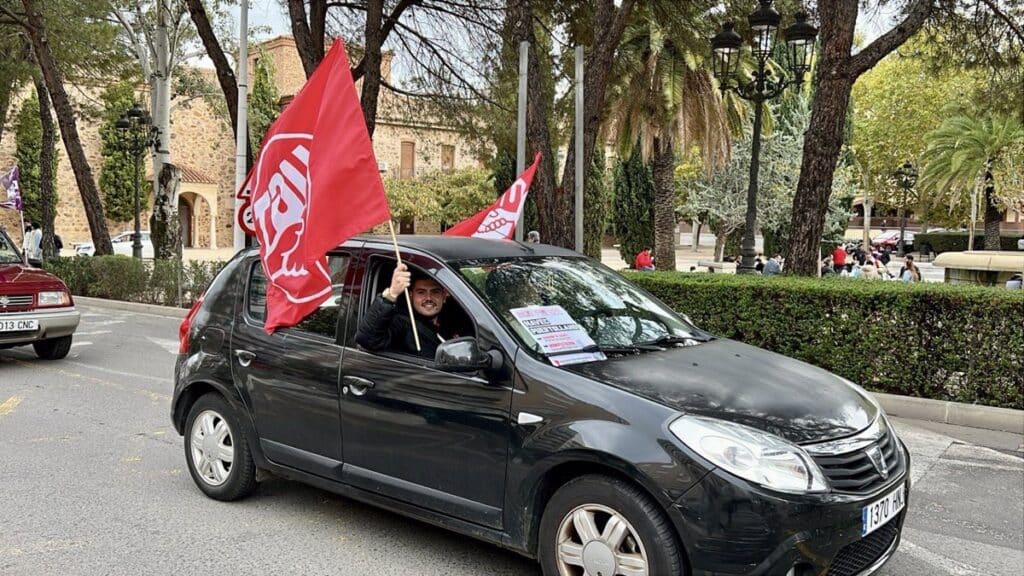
(559, 336)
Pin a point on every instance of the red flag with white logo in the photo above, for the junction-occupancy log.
(314, 186)
(498, 221)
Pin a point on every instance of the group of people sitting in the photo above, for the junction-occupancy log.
(858, 263)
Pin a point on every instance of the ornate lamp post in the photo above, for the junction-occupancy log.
(141, 134)
(800, 38)
(906, 176)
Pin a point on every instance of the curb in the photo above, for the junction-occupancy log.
(955, 413)
(166, 311)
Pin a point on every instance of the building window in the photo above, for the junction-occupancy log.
(447, 157)
(408, 168)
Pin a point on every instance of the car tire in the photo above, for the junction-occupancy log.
(217, 450)
(53, 348)
(630, 526)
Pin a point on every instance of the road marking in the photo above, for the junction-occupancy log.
(9, 405)
(106, 322)
(155, 397)
(96, 333)
(947, 565)
(120, 372)
(171, 346)
(86, 343)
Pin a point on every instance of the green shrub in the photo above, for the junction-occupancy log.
(124, 278)
(947, 342)
(76, 272)
(119, 278)
(957, 241)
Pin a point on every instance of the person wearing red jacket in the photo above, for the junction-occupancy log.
(839, 258)
(644, 261)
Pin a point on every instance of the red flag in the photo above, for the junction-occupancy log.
(498, 221)
(314, 186)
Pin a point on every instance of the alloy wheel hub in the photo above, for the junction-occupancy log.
(599, 559)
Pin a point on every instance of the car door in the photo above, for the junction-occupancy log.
(290, 378)
(411, 432)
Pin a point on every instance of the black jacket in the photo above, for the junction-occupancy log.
(386, 326)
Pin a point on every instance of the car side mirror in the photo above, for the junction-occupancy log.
(35, 263)
(465, 355)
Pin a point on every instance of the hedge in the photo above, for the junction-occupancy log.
(132, 280)
(940, 341)
(957, 241)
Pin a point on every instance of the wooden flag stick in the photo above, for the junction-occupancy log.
(408, 301)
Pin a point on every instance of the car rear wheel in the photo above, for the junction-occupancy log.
(603, 526)
(53, 348)
(217, 451)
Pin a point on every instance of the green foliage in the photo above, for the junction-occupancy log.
(633, 206)
(444, 197)
(596, 197)
(957, 241)
(28, 137)
(947, 342)
(127, 279)
(117, 175)
(263, 107)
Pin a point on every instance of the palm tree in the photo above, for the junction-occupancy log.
(966, 150)
(664, 102)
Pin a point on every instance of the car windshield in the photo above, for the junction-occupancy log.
(615, 314)
(8, 255)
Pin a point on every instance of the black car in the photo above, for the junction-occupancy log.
(578, 420)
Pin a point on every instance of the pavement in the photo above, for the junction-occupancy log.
(93, 482)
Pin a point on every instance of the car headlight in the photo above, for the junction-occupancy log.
(751, 454)
(58, 298)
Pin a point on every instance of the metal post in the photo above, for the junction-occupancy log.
(903, 218)
(241, 136)
(524, 61)
(749, 252)
(137, 236)
(579, 150)
(868, 205)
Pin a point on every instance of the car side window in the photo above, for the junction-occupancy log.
(324, 320)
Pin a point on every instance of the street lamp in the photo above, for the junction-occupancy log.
(141, 134)
(800, 38)
(906, 176)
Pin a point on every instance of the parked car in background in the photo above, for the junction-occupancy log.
(575, 419)
(35, 306)
(122, 244)
(891, 239)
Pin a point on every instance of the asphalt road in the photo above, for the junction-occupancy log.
(93, 481)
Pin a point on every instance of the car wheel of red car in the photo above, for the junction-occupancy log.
(53, 348)
(217, 451)
(603, 525)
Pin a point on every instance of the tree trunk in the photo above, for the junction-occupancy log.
(993, 214)
(662, 165)
(68, 130)
(371, 61)
(308, 32)
(47, 197)
(163, 223)
(538, 137)
(837, 70)
(225, 74)
(695, 234)
(609, 24)
(721, 239)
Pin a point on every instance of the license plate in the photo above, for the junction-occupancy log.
(18, 325)
(876, 514)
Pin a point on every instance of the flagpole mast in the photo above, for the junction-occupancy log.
(579, 149)
(524, 59)
(241, 133)
(24, 253)
(408, 301)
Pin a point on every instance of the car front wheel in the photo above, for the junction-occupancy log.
(216, 450)
(53, 348)
(603, 526)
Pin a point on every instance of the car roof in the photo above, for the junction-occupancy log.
(459, 248)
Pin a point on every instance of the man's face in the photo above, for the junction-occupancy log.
(427, 297)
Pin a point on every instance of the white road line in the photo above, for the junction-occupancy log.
(81, 344)
(171, 346)
(947, 565)
(105, 323)
(120, 372)
(96, 333)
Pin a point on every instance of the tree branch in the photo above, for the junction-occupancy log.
(385, 30)
(886, 43)
(1002, 16)
(15, 19)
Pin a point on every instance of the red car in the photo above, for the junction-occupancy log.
(35, 306)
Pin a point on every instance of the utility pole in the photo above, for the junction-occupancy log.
(524, 61)
(579, 149)
(242, 134)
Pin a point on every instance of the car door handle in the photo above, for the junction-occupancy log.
(245, 357)
(358, 386)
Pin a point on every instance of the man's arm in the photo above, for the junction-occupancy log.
(376, 327)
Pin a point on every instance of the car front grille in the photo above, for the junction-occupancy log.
(854, 558)
(856, 473)
(15, 303)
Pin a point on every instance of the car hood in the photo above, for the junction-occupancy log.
(733, 381)
(15, 278)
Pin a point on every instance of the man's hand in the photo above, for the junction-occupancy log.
(400, 280)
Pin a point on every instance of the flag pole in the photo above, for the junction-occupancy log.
(24, 253)
(408, 301)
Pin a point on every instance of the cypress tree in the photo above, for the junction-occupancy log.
(633, 206)
(117, 174)
(28, 138)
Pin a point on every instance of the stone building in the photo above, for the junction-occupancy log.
(407, 142)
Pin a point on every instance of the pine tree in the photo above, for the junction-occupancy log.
(117, 175)
(633, 206)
